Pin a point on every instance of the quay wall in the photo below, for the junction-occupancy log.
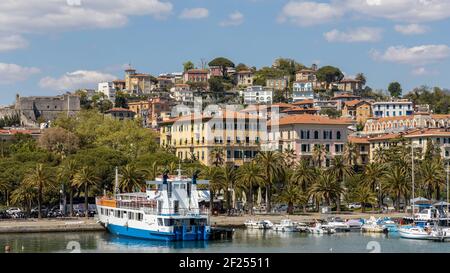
(58, 225)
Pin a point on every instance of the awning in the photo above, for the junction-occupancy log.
(441, 204)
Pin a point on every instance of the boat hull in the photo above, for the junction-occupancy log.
(201, 235)
(416, 236)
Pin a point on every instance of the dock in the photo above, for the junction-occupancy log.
(50, 225)
(221, 233)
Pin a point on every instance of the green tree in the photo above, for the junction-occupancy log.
(318, 154)
(131, 178)
(223, 63)
(121, 100)
(229, 177)
(329, 74)
(362, 78)
(249, 176)
(395, 89)
(340, 170)
(396, 183)
(216, 183)
(364, 195)
(270, 163)
(326, 188)
(432, 177)
(40, 179)
(24, 196)
(85, 179)
(188, 66)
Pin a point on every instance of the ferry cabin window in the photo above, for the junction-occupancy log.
(168, 222)
(139, 216)
(117, 213)
(160, 222)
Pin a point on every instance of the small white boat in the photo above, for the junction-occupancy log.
(440, 234)
(338, 225)
(372, 226)
(251, 224)
(354, 224)
(417, 233)
(318, 228)
(301, 227)
(286, 225)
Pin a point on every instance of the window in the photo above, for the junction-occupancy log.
(338, 135)
(316, 134)
(305, 148)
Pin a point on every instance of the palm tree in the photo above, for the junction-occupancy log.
(24, 195)
(318, 154)
(372, 179)
(350, 153)
(364, 195)
(85, 178)
(270, 163)
(396, 183)
(325, 188)
(292, 195)
(155, 169)
(289, 157)
(66, 173)
(432, 177)
(304, 174)
(249, 176)
(340, 170)
(229, 175)
(217, 156)
(172, 167)
(131, 178)
(40, 179)
(5, 187)
(216, 182)
(380, 155)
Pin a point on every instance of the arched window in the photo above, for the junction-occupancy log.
(338, 135)
(316, 134)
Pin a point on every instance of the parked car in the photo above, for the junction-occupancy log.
(354, 206)
(4, 215)
(34, 212)
(13, 210)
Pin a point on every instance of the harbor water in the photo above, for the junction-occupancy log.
(244, 241)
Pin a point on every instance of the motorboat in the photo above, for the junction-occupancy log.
(251, 224)
(372, 226)
(338, 225)
(301, 227)
(285, 225)
(440, 234)
(318, 228)
(354, 224)
(418, 233)
(264, 224)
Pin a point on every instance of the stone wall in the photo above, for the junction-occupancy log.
(46, 108)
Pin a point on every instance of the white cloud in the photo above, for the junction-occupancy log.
(309, 13)
(12, 42)
(401, 10)
(234, 19)
(194, 13)
(417, 55)
(423, 71)
(12, 73)
(362, 34)
(306, 13)
(76, 79)
(43, 15)
(411, 29)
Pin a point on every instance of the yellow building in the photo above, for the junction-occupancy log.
(237, 135)
(358, 110)
(136, 83)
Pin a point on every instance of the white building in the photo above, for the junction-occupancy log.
(257, 94)
(302, 91)
(392, 108)
(109, 89)
(182, 93)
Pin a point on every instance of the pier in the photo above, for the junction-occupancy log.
(50, 225)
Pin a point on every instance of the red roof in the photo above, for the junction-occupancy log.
(312, 119)
(16, 131)
(117, 109)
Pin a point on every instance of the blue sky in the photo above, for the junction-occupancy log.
(51, 46)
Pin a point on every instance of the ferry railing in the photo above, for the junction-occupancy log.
(148, 206)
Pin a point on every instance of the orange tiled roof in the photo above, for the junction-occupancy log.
(118, 109)
(346, 96)
(355, 102)
(312, 119)
(197, 71)
(344, 80)
(358, 140)
(303, 102)
(223, 114)
(300, 109)
(388, 136)
(15, 131)
(428, 132)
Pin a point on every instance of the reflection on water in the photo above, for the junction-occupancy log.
(243, 241)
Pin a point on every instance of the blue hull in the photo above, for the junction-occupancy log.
(178, 235)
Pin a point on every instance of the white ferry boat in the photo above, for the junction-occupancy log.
(167, 210)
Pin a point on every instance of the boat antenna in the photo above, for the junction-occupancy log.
(116, 185)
